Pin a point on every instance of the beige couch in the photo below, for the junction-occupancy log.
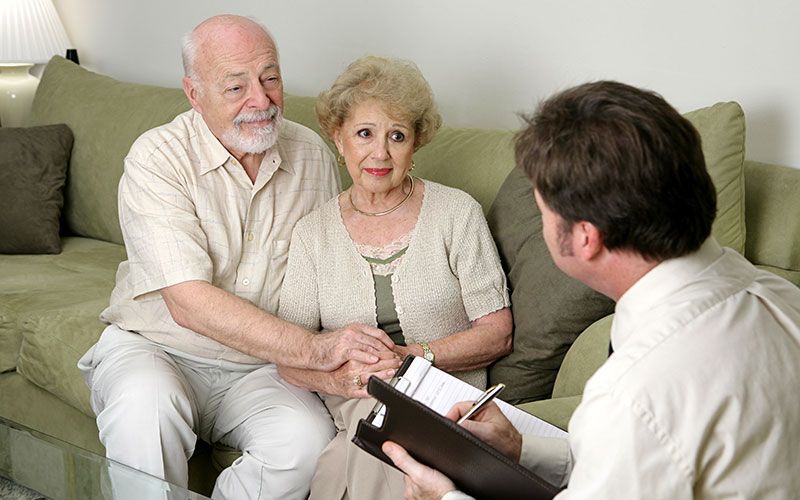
(49, 303)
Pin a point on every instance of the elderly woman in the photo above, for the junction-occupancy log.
(411, 257)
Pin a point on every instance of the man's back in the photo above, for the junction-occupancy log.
(699, 396)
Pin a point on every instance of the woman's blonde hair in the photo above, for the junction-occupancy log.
(397, 84)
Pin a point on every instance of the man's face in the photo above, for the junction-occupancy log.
(557, 237)
(240, 90)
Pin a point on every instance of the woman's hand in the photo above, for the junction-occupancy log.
(331, 350)
(351, 378)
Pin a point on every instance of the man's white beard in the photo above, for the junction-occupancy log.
(257, 140)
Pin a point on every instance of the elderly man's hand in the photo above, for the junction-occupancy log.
(358, 342)
(492, 426)
(422, 482)
(350, 379)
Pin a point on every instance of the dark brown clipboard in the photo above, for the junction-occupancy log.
(475, 467)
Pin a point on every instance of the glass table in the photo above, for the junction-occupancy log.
(30, 460)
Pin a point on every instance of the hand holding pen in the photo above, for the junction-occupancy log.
(484, 399)
(489, 424)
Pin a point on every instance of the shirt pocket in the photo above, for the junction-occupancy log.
(279, 249)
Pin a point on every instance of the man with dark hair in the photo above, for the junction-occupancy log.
(699, 397)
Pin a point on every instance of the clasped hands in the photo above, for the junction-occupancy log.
(355, 353)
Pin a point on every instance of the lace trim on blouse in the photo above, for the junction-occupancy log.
(384, 260)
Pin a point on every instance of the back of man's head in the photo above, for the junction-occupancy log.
(625, 160)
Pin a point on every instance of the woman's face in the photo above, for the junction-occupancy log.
(376, 147)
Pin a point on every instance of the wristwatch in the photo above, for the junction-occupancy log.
(427, 353)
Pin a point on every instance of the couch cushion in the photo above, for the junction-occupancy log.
(551, 310)
(50, 308)
(722, 130)
(486, 154)
(473, 160)
(33, 168)
(105, 116)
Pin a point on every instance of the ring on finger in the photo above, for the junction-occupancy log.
(357, 381)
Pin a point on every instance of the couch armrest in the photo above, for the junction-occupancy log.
(556, 411)
(587, 353)
(772, 218)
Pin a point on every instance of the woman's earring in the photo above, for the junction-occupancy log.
(340, 161)
(412, 165)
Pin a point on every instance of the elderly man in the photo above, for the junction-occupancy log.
(207, 207)
(699, 398)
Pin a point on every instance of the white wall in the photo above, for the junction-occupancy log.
(488, 60)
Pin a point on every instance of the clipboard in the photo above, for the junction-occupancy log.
(475, 467)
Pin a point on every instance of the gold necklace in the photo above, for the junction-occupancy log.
(385, 212)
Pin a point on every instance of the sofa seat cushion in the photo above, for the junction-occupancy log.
(50, 308)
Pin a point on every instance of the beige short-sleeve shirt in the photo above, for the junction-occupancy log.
(188, 211)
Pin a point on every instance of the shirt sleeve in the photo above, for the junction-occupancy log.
(621, 452)
(456, 495)
(476, 263)
(163, 238)
(548, 458)
(299, 302)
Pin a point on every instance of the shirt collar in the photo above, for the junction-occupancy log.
(660, 282)
(216, 155)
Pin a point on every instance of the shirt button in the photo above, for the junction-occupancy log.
(395, 278)
(245, 282)
(250, 236)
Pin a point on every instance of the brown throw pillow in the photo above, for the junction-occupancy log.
(550, 309)
(33, 169)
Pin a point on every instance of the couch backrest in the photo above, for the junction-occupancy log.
(105, 116)
(474, 160)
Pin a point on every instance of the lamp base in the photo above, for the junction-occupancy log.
(17, 87)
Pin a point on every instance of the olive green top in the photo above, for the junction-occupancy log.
(384, 298)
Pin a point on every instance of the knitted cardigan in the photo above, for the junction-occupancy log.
(450, 275)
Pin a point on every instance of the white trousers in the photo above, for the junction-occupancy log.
(152, 404)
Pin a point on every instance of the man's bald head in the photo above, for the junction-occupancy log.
(217, 32)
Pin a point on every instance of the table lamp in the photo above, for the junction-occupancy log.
(30, 33)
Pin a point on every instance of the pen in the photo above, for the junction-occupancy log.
(482, 401)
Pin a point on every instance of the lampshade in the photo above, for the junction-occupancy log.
(30, 32)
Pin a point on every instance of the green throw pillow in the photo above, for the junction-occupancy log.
(33, 169)
(550, 309)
